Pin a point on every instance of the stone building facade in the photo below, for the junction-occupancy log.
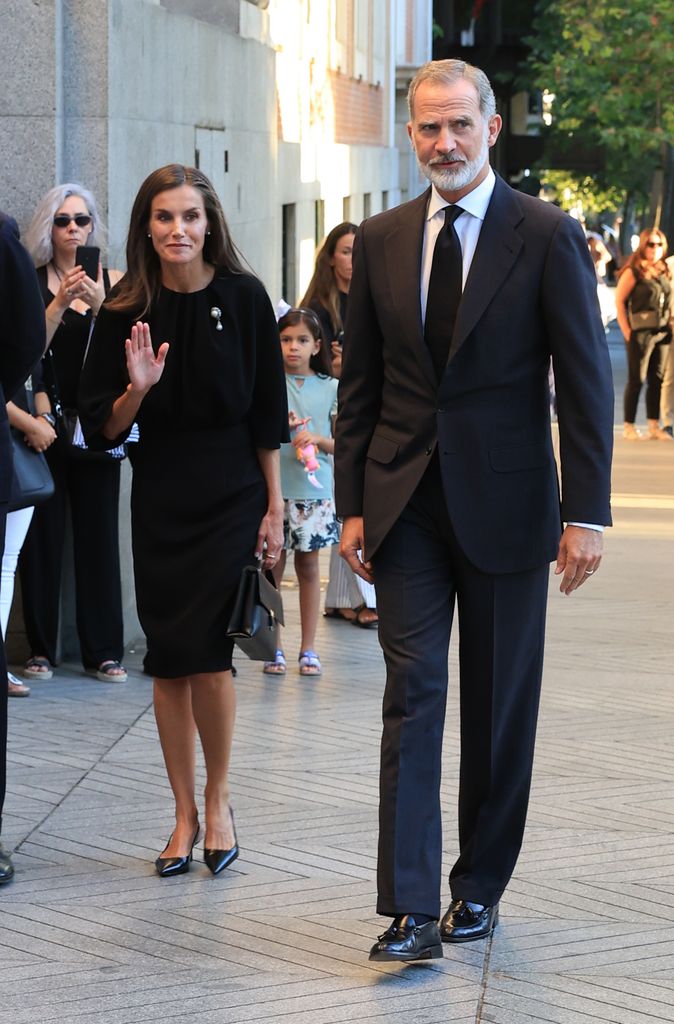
(294, 108)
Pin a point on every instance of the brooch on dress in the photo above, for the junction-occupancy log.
(216, 314)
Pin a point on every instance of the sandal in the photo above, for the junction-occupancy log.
(310, 664)
(111, 671)
(345, 614)
(277, 667)
(366, 618)
(37, 668)
(15, 688)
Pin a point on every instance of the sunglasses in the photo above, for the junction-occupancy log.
(654, 245)
(62, 220)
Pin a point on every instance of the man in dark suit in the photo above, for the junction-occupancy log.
(447, 484)
(22, 341)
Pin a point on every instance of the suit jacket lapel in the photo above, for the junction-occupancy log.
(403, 248)
(497, 250)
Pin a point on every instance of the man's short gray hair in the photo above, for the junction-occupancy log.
(447, 72)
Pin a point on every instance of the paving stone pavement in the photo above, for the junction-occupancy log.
(90, 935)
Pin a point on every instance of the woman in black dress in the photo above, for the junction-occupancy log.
(187, 346)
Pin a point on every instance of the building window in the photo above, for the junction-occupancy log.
(346, 208)
(319, 221)
(384, 200)
(367, 204)
(289, 259)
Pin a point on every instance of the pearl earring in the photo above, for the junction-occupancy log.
(216, 314)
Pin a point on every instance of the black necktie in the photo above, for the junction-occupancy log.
(444, 291)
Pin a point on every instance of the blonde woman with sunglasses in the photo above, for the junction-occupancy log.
(67, 217)
(643, 308)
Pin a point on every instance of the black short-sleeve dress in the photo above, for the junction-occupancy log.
(198, 494)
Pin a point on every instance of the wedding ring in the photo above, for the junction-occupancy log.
(69, 293)
(589, 572)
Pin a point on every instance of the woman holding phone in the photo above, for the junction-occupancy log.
(65, 220)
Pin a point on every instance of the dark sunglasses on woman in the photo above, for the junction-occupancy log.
(62, 220)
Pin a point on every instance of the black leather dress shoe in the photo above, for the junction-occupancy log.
(217, 860)
(6, 867)
(167, 867)
(406, 940)
(465, 921)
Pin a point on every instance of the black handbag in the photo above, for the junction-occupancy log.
(32, 482)
(68, 427)
(258, 610)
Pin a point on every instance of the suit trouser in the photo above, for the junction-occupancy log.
(420, 571)
(92, 489)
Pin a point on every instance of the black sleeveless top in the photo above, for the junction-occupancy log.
(62, 368)
(652, 293)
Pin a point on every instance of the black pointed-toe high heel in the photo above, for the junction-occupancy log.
(217, 860)
(167, 867)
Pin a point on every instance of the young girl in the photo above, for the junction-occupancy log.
(306, 472)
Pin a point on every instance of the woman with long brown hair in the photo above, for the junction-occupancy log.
(643, 308)
(328, 290)
(187, 346)
(348, 597)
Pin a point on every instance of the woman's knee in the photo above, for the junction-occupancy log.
(306, 566)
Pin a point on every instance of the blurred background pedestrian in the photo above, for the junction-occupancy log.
(643, 308)
(348, 597)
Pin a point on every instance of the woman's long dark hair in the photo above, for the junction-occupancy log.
(642, 267)
(320, 362)
(141, 284)
(323, 287)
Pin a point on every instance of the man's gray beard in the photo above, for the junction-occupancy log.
(466, 171)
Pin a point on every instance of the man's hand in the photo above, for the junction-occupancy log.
(351, 543)
(579, 557)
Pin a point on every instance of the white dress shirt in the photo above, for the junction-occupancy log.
(467, 227)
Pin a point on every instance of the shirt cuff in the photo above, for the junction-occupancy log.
(589, 526)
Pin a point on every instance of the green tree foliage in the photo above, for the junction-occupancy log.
(610, 65)
(570, 188)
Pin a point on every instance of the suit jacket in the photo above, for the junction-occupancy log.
(22, 331)
(530, 294)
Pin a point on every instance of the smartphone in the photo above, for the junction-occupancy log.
(87, 257)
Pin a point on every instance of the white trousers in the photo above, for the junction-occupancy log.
(345, 589)
(15, 534)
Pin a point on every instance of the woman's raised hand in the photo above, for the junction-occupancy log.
(144, 367)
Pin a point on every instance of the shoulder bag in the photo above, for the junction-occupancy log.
(649, 319)
(32, 482)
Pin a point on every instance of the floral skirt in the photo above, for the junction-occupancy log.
(310, 525)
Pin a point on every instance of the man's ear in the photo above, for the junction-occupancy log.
(495, 125)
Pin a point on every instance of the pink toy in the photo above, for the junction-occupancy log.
(307, 453)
